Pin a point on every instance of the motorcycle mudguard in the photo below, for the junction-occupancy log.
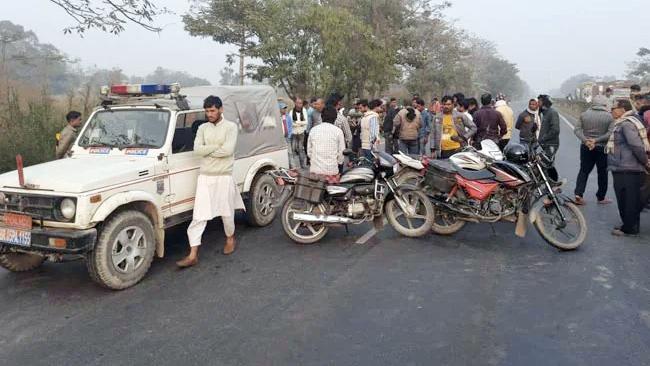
(522, 225)
(401, 188)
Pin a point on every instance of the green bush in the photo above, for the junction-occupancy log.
(28, 129)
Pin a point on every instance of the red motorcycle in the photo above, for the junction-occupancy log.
(470, 187)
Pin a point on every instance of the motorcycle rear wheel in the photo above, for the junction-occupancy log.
(299, 232)
(547, 223)
(446, 223)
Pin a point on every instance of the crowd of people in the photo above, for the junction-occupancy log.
(437, 129)
(613, 133)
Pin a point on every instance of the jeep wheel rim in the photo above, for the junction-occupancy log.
(129, 250)
(265, 199)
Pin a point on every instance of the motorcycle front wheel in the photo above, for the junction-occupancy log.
(416, 225)
(564, 236)
(301, 232)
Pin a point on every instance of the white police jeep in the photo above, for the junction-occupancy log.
(130, 175)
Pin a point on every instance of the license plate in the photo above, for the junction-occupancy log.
(22, 238)
(17, 221)
(16, 229)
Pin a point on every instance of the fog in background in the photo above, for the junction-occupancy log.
(549, 40)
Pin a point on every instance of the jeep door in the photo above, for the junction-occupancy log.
(183, 164)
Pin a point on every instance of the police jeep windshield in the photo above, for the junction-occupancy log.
(132, 128)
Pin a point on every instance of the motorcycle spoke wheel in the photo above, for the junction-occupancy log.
(301, 232)
(567, 236)
(445, 223)
(418, 221)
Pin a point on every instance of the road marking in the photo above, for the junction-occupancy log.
(371, 233)
(567, 122)
(367, 236)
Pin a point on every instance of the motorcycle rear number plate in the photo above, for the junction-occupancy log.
(16, 237)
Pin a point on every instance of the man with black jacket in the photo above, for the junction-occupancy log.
(549, 133)
(389, 136)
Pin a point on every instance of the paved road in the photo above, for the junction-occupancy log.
(482, 297)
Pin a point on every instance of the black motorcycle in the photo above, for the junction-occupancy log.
(364, 193)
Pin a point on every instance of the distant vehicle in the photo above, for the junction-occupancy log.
(130, 175)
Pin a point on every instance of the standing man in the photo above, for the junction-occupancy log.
(408, 122)
(627, 151)
(67, 136)
(594, 128)
(473, 106)
(509, 117)
(369, 126)
(216, 191)
(388, 126)
(644, 117)
(609, 94)
(286, 129)
(549, 133)
(462, 107)
(452, 131)
(298, 128)
(316, 118)
(425, 130)
(489, 123)
(336, 100)
(634, 91)
(325, 147)
(529, 122)
(435, 107)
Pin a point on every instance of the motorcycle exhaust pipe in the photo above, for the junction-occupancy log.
(321, 219)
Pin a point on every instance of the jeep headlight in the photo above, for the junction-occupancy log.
(68, 208)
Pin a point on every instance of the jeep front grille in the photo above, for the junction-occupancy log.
(40, 207)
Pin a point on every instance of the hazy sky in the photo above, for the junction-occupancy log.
(550, 40)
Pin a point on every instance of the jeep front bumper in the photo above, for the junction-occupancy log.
(57, 241)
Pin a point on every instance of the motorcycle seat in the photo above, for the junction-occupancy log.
(475, 174)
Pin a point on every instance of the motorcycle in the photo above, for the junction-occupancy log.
(363, 194)
(474, 186)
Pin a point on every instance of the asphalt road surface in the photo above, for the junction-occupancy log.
(481, 297)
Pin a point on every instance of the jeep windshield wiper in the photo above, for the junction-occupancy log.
(98, 144)
(138, 145)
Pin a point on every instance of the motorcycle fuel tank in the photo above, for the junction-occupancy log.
(358, 175)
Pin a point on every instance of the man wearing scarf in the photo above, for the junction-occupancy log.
(299, 126)
(529, 122)
(627, 151)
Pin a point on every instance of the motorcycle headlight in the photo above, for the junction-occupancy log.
(68, 208)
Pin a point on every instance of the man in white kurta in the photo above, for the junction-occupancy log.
(216, 191)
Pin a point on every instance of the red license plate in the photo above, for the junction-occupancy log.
(18, 221)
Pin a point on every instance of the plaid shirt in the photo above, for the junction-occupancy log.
(325, 149)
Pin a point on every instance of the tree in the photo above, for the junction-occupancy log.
(640, 69)
(228, 76)
(164, 76)
(569, 86)
(227, 22)
(110, 15)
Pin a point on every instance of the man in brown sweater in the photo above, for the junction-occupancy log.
(67, 137)
(408, 122)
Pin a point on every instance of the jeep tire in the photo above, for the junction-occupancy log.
(124, 251)
(20, 262)
(260, 205)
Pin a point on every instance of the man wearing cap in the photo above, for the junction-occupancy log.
(216, 191)
(593, 128)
